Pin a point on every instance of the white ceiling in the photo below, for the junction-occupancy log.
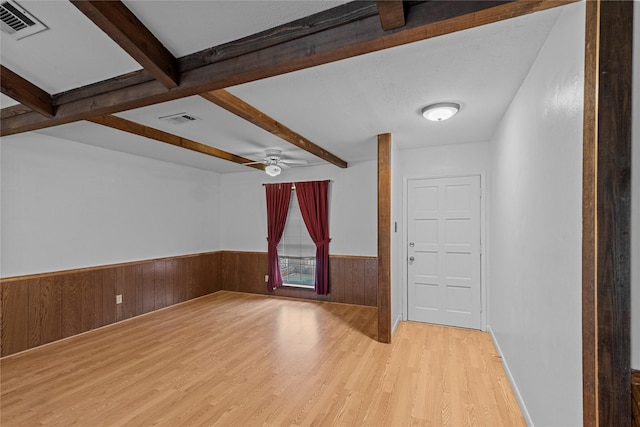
(186, 27)
(340, 106)
(70, 54)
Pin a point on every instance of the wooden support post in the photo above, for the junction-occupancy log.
(384, 238)
(606, 212)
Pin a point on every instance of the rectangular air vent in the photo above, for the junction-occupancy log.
(17, 22)
(178, 119)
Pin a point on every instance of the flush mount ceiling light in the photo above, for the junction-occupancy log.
(273, 170)
(440, 111)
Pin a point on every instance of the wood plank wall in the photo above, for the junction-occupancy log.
(42, 308)
(635, 397)
(352, 279)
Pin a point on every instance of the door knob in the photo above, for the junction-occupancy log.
(411, 244)
(411, 259)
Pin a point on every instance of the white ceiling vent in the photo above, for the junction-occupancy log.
(17, 22)
(178, 119)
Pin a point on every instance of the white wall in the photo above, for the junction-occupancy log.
(635, 197)
(535, 230)
(429, 162)
(67, 205)
(353, 207)
(445, 160)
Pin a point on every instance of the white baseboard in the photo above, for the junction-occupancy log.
(395, 324)
(512, 381)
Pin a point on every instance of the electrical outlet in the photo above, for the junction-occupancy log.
(119, 299)
(266, 277)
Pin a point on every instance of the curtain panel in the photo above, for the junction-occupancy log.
(278, 197)
(314, 207)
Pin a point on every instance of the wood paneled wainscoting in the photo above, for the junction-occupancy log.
(635, 397)
(352, 279)
(42, 308)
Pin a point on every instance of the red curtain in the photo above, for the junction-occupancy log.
(278, 197)
(314, 206)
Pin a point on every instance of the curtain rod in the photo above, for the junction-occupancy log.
(293, 184)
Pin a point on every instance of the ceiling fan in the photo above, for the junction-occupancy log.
(273, 159)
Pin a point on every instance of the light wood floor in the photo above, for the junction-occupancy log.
(248, 360)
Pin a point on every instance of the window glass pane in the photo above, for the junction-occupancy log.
(296, 240)
(296, 250)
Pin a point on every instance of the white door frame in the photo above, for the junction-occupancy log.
(483, 239)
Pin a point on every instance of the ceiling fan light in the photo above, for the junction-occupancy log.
(273, 170)
(440, 111)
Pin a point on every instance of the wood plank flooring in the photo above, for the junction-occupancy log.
(248, 360)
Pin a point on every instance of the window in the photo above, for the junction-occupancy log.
(296, 250)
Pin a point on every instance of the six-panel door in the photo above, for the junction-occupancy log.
(444, 251)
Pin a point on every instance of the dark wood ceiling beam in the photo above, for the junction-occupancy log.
(84, 109)
(133, 78)
(424, 20)
(340, 15)
(26, 93)
(391, 14)
(169, 138)
(303, 27)
(14, 110)
(242, 109)
(119, 23)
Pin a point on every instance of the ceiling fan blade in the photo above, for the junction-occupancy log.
(294, 161)
(254, 163)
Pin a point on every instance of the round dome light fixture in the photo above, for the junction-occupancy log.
(440, 111)
(273, 170)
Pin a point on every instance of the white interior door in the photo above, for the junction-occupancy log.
(444, 251)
